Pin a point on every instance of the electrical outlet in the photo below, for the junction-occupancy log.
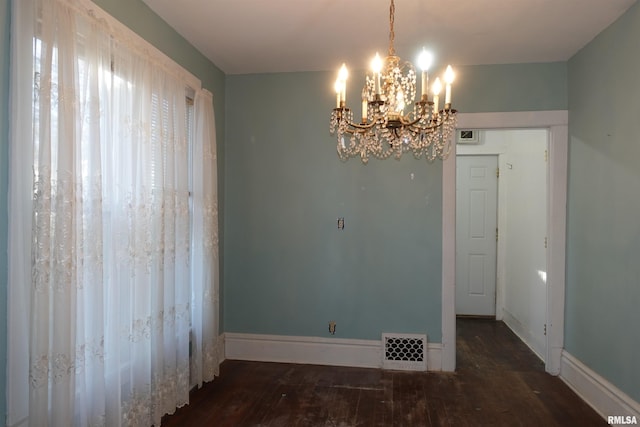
(332, 327)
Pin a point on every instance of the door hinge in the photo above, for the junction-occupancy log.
(545, 329)
(545, 242)
(497, 172)
(496, 234)
(546, 155)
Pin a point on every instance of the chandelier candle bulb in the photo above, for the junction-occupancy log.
(376, 66)
(425, 84)
(437, 87)
(338, 88)
(424, 61)
(448, 79)
(364, 106)
(343, 74)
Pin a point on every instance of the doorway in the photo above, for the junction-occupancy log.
(556, 122)
(519, 236)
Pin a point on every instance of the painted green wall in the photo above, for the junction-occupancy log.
(511, 87)
(288, 269)
(603, 231)
(4, 171)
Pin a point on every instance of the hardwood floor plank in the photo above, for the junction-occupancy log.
(498, 382)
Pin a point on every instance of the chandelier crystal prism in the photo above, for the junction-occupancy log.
(386, 129)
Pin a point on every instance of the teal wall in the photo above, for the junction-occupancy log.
(4, 168)
(136, 15)
(511, 87)
(288, 269)
(603, 230)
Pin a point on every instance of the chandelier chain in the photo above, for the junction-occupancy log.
(392, 34)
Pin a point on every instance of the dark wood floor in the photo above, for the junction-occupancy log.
(498, 382)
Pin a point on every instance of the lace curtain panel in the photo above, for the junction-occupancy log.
(113, 286)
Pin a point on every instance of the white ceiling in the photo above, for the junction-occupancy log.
(258, 36)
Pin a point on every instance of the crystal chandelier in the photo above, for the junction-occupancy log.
(386, 129)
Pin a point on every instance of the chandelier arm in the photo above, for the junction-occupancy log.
(361, 126)
(437, 125)
(358, 127)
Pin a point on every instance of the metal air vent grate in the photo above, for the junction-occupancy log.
(404, 352)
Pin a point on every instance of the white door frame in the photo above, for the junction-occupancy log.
(557, 124)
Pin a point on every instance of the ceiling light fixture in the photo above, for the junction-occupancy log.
(385, 128)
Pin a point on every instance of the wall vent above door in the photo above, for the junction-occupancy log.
(404, 352)
(467, 136)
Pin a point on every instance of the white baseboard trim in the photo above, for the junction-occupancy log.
(434, 357)
(315, 350)
(599, 393)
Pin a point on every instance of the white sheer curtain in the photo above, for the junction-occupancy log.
(113, 225)
(205, 302)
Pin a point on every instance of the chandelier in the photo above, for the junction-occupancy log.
(387, 128)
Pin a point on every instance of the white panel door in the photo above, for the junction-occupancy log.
(525, 232)
(538, 254)
(476, 220)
